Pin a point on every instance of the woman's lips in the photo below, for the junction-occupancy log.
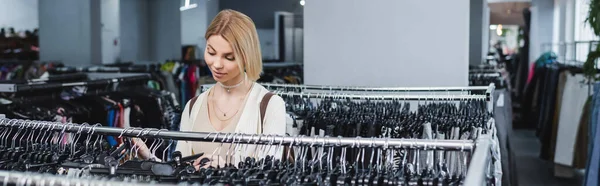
(219, 75)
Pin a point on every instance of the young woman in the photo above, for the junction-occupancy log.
(233, 105)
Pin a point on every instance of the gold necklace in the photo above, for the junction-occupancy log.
(219, 108)
(224, 113)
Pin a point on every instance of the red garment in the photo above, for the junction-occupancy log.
(531, 71)
(192, 80)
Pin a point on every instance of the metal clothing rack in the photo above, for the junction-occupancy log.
(493, 74)
(478, 71)
(95, 80)
(476, 174)
(137, 68)
(21, 178)
(488, 89)
(488, 96)
(241, 138)
(383, 97)
(374, 89)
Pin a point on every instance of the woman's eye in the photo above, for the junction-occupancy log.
(230, 58)
(212, 54)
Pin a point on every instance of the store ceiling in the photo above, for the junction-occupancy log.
(507, 13)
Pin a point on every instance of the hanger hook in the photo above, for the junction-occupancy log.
(123, 131)
(216, 136)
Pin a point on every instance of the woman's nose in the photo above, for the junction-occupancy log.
(218, 64)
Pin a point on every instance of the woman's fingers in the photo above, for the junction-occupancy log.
(198, 163)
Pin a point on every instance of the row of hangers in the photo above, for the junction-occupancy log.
(303, 170)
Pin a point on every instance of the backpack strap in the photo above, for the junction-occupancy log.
(192, 101)
(263, 109)
(264, 103)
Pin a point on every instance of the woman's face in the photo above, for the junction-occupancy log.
(221, 60)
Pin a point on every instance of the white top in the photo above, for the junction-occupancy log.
(249, 123)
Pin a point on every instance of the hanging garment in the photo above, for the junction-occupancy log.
(592, 173)
(580, 159)
(595, 116)
(496, 152)
(427, 158)
(111, 119)
(593, 168)
(559, 97)
(574, 97)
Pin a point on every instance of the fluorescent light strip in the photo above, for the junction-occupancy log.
(188, 6)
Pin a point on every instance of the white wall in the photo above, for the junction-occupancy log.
(212, 9)
(267, 43)
(195, 21)
(150, 30)
(541, 29)
(386, 42)
(134, 35)
(164, 30)
(70, 31)
(19, 14)
(110, 31)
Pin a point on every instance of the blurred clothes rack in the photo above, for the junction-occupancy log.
(183, 77)
(485, 74)
(554, 104)
(485, 78)
(119, 100)
(282, 73)
(502, 76)
(157, 81)
(174, 76)
(19, 46)
(24, 69)
(439, 164)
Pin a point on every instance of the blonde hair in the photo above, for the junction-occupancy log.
(239, 30)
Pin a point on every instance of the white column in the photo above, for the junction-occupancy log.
(477, 23)
(165, 30)
(541, 28)
(485, 36)
(386, 42)
(150, 30)
(70, 31)
(558, 35)
(134, 33)
(196, 15)
(110, 31)
(569, 27)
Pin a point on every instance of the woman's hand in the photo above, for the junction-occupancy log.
(143, 150)
(218, 160)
